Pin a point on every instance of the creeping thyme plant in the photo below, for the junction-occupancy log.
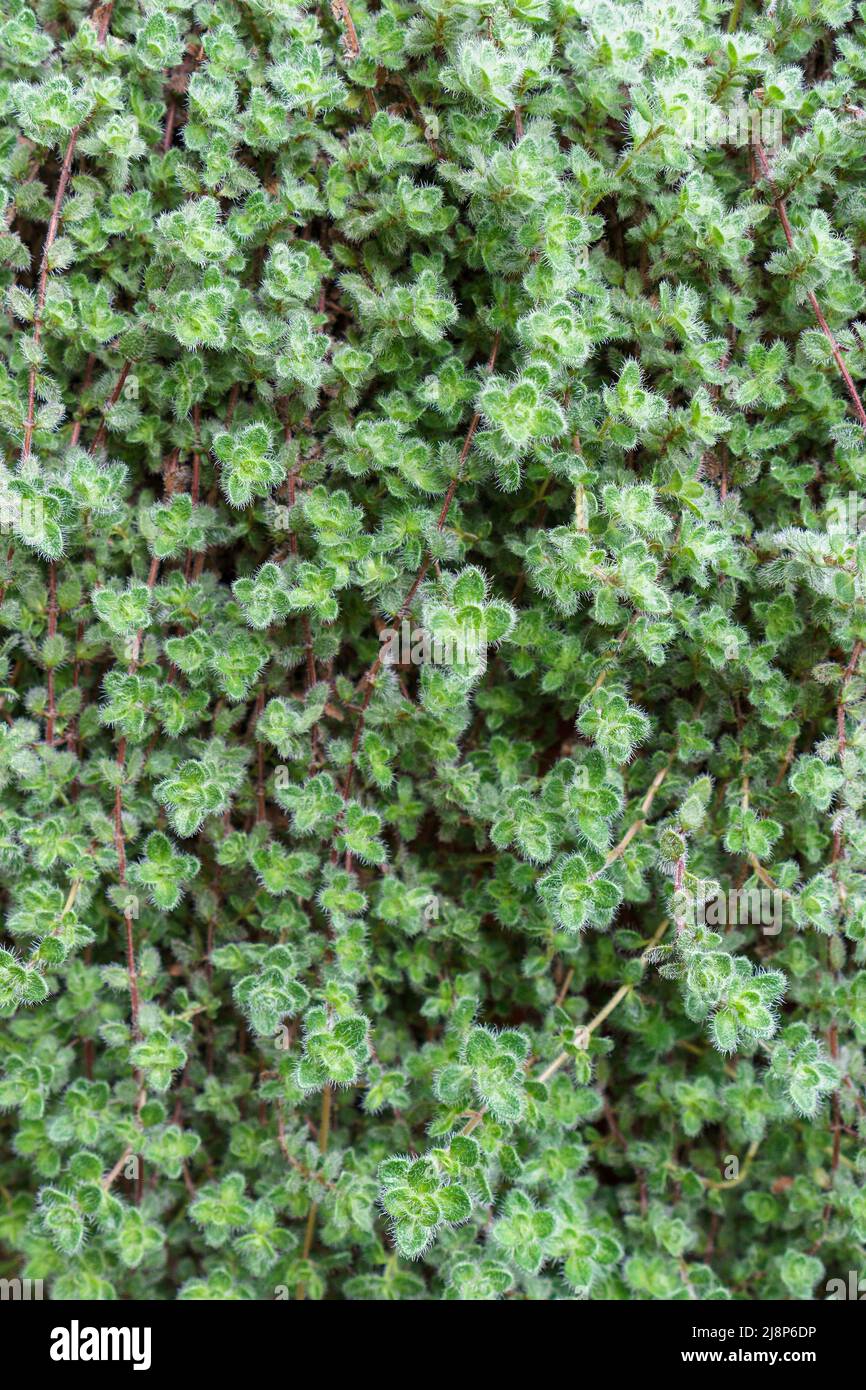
(331, 976)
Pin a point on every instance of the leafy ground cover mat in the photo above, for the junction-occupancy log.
(432, 622)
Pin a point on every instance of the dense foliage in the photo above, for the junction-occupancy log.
(332, 975)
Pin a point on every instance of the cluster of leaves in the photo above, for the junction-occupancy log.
(331, 976)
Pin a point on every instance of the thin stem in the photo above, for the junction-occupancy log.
(369, 677)
(638, 825)
(119, 837)
(99, 437)
(109, 1180)
(351, 43)
(583, 1032)
(324, 1134)
(779, 205)
(72, 895)
(42, 287)
(104, 13)
(52, 632)
(261, 808)
(88, 377)
(627, 163)
(734, 16)
(840, 707)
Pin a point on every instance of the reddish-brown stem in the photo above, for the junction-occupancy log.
(119, 837)
(208, 967)
(324, 1133)
(99, 437)
(840, 708)
(212, 495)
(843, 739)
(369, 678)
(104, 13)
(779, 205)
(171, 113)
(42, 287)
(72, 730)
(88, 376)
(261, 810)
(52, 632)
(196, 459)
(196, 478)
(232, 405)
(837, 1132)
(293, 540)
(833, 1041)
(786, 762)
(308, 648)
(120, 847)
(350, 33)
(10, 556)
(352, 44)
(293, 550)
